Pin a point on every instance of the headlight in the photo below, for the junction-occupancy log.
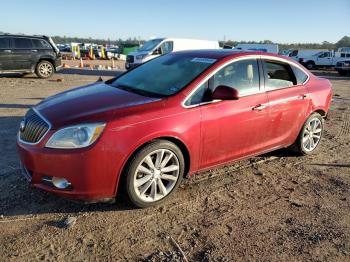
(76, 136)
(140, 57)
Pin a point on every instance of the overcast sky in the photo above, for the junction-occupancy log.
(280, 21)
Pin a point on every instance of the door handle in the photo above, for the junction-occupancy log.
(303, 96)
(34, 50)
(7, 51)
(259, 107)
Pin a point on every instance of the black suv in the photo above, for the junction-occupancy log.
(29, 54)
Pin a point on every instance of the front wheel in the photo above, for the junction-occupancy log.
(154, 173)
(310, 65)
(44, 69)
(310, 135)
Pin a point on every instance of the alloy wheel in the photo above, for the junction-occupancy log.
(156, 175)
(45, 69)
(312, 134)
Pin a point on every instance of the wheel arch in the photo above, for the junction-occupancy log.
(320, 111)
(177, 141)
(49, 59)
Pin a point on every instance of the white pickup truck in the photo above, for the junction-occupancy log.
(324, 59)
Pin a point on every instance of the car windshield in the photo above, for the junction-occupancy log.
(150, 45)
(164, 76)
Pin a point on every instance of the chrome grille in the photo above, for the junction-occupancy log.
(34, 128)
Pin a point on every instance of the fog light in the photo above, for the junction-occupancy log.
(60, 182)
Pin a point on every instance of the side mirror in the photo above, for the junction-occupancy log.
(225, 93)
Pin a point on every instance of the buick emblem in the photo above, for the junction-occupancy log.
(22, 125)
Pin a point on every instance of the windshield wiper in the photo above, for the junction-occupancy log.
(138, 91)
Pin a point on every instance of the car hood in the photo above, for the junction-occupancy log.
(94, 102)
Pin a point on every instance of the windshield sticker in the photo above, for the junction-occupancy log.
(174, 89)
(203, 60)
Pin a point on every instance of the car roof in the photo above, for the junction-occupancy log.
(25, 36)
(224, 53)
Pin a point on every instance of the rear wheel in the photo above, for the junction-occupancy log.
(310, 135)
(154, 173)
(44, 69)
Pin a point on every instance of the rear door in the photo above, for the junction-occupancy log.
(288, 101)
(5, 53)
(23, 53)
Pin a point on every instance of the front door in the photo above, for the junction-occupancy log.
(232, 129)
(325, 59)
(5, 54)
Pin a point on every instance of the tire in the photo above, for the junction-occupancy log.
(44, 69)
(310, 65)
(304, 144)
(154, 173)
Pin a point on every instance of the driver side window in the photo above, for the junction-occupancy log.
(166, 47)
(325, 54)
(242, 75)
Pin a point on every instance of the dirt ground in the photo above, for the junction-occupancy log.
(277, 207)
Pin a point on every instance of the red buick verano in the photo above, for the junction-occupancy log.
(177, 114)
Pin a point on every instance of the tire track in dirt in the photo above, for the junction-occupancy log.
(345, 124)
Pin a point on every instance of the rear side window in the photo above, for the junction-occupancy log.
(278, 75)
(299, 75)
(41, 44)
(4, 43)
(22, 43)
(242, 75)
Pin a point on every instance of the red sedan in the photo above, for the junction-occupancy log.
(177, 114)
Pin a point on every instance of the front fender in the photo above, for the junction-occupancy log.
(126, 139)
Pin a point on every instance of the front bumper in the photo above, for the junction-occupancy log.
(91, 171)
(58, 63)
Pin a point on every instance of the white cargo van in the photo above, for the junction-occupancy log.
(270, 48)
(298, 55)
(161, 46)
